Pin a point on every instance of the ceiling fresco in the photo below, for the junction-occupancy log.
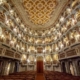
(39, 10)
(39, 14)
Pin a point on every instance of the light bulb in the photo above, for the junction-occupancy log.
(24, 57)
(68, 10)
(23, 48)
(44, 50)
(28, 61)
(61, 19)
(77, 36)
(2, 36)
(12, 12)
(15, 30)
(61, 45)
(44, 60)
(35, 60)
(19, 35)
(57, 25)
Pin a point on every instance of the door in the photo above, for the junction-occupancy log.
(39, 66)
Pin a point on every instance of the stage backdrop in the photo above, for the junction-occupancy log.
(40, 66)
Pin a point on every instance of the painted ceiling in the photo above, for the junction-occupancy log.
(39, 14)
(39, 11)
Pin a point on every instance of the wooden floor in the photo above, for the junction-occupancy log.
(40, 76)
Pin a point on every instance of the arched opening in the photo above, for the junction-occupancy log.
(40, 64)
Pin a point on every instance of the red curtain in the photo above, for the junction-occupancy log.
(39, 66)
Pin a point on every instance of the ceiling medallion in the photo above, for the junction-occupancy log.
(39, 10)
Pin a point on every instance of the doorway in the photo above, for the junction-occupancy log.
(63, 67)
(40, 64)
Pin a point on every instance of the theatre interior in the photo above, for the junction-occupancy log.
(39, 39)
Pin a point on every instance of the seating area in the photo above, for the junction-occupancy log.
(28, 75)
(51, 75)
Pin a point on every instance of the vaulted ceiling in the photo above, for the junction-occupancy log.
(39, 11)
(39, 14)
